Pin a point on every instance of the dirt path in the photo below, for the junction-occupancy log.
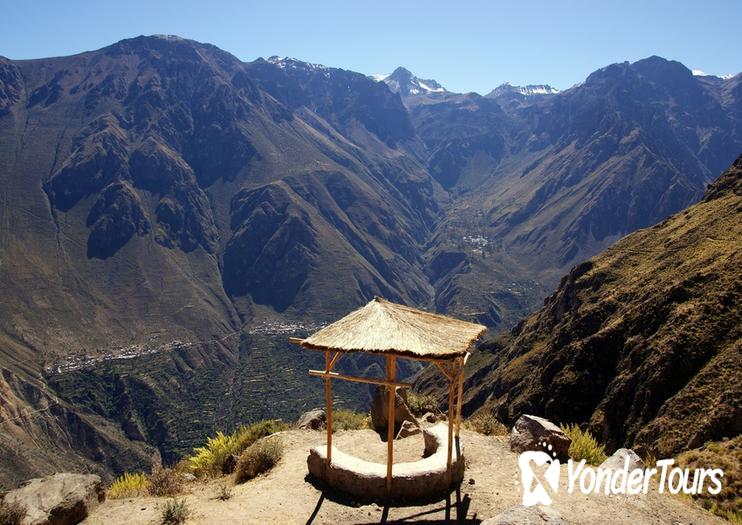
(284, 496)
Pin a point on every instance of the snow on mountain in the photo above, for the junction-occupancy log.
(526, 91)
(402, 81)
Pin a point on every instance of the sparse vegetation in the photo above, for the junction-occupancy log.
(129, 485)
(584, 446)
(225, 492)
(11, 512)
(174, 512)
(258, 458)
(349, 420)
(209, 460)
(421, 403)
(727, 455)
(164, 482)
(487, 424)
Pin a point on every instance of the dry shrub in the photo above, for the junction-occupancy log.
(487, 424)
(349, 420)
(420, 404)
(175, 512)
(258, 458)
(11, 512)
(209, 460)
(165, 482)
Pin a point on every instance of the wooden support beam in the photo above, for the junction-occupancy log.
(446, 369)
(367, 380)
(451, 384)
(328, 402)
(391, 376)
(459, 396)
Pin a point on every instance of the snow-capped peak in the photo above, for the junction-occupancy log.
(526, 91)
(699, 73)
(405, 83)
(293, 63)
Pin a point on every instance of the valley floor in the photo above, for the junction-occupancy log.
(284, 496)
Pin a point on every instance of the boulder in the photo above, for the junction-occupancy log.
(379, 410)
(520, 515)
(59, 499)
(312, 420)
(408, 429)
(429, 417)
(529, 431)
(618, 460)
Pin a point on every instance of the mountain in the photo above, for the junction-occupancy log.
(158, 197)
(523, 91)
(642, 342)
(554, 179)
(169, 215)
(406, 84)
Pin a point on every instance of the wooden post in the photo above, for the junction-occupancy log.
(459, 397)
(451, 417)
(391, 375)
(328, 402)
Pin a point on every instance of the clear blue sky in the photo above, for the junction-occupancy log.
(467, 46)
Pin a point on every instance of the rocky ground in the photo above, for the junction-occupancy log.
(491, 486)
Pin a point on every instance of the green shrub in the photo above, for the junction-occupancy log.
(11, 512)
(487, 424)
(584, 446)
(174, 512)
(349, 420)
(164, 482)
(209, 460)
(258, 458)
(129, 486)
(420, 404)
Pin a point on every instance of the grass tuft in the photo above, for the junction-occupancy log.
(584, 446)
(225, 492)
(175, 512)
(258, 458)
(487, 424)
(420, 404)
(129, 485)
(209, 460)
(348, 420)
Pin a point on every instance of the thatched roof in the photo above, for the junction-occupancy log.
(382, 327)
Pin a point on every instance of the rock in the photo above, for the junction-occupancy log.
(59, 499)
(312, 420)
(520, 515)
(379, 410)
(529, 431)
(429, 417)
(187, 477)
(618, 460)
(408, 428)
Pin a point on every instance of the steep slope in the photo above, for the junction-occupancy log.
(158, 197)
(642, 342)
(549, 180)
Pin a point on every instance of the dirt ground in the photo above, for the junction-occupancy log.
(491, 485)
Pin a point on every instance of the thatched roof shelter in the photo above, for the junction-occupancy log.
(394, 330)
(383, 327)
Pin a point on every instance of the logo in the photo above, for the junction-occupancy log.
(540, 471)
(539, 475)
